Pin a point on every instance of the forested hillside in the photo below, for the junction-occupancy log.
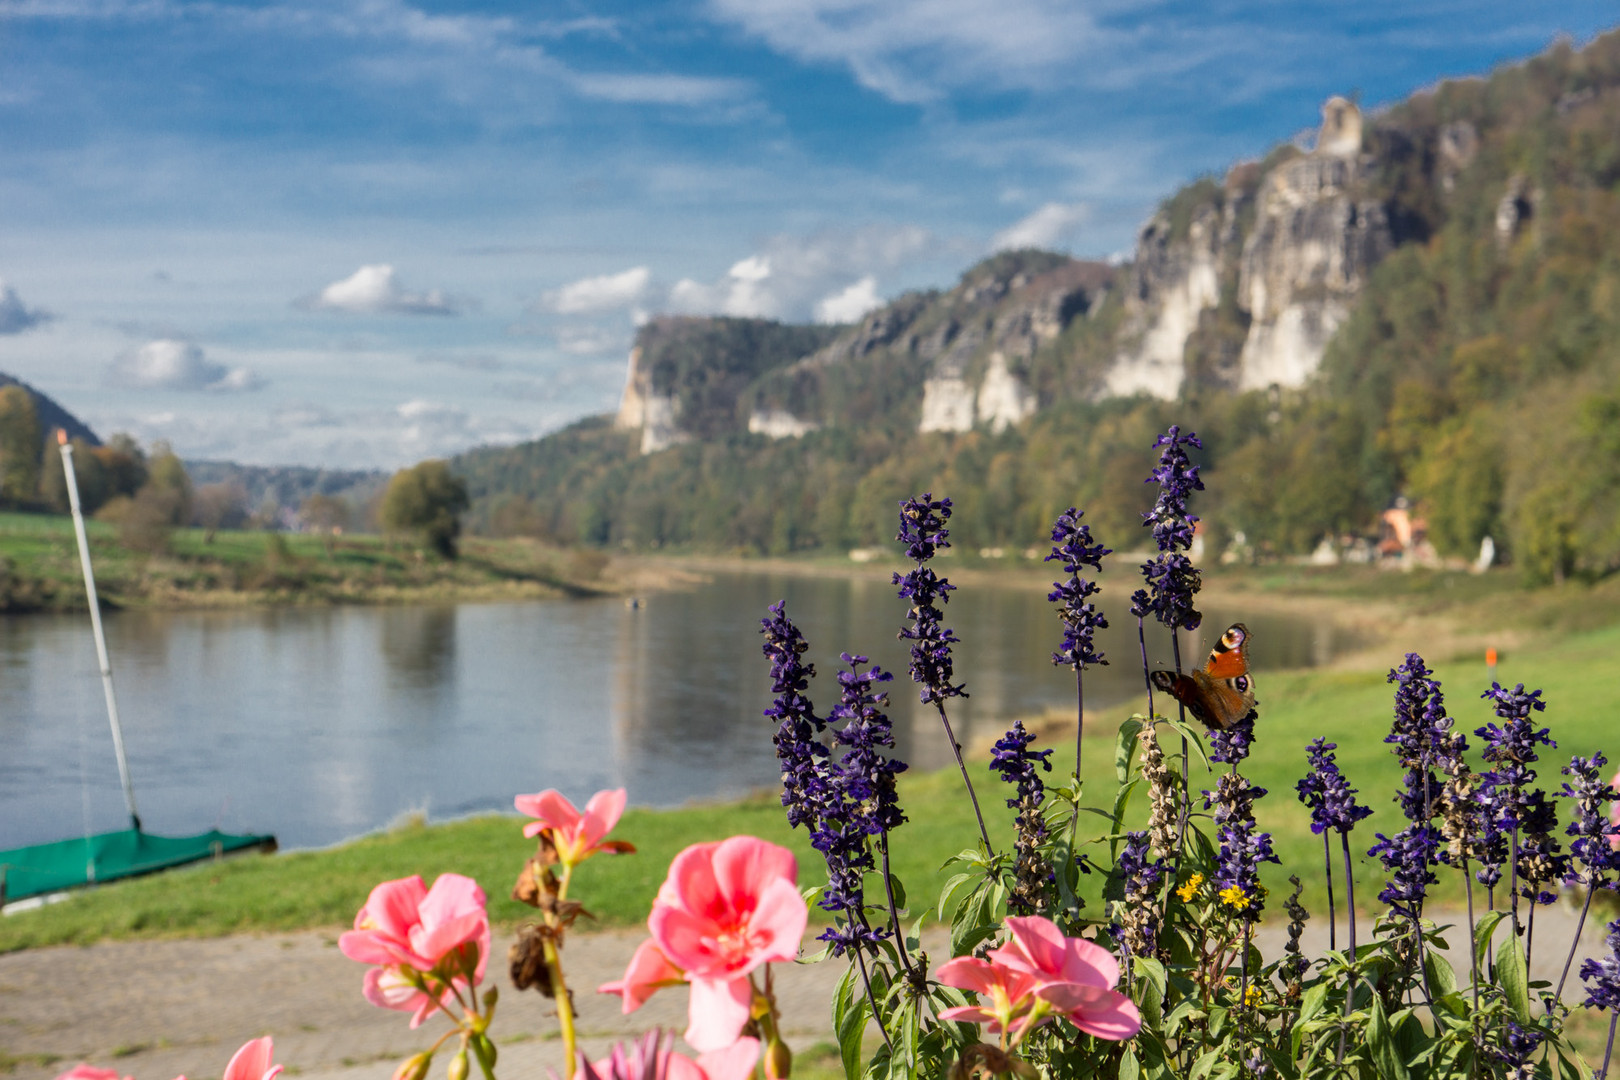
(1475, 370)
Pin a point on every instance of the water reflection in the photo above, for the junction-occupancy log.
(321, 724)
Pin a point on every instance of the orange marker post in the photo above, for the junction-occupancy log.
(1490, 662)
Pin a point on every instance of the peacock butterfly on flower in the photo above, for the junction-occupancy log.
(1221, 695)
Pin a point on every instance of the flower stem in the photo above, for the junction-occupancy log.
(866, 980)
(1141, 640)
(1609, 1049)
(559, 989)
(1350, 902)
(956, 748)
(1333, 917)
(1573, 943)
(1079, 722)
(894, 915)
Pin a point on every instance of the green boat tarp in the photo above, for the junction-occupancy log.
(66, 864)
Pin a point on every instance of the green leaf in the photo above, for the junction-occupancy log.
(947, 893)
(1442, 976)
(1129, 1067)
(1483, 930)
(1203, 1065)
(899, 888)
(850, 1013)
(1512, 977)
(1381, 1043)
(1125, 744)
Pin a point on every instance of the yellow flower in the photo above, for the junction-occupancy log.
(1233, 896)
(1190, 890)
(1253, 996)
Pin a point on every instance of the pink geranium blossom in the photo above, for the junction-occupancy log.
(252, 1062)
(1040, 972)
(576, 836)
(82, 1071)
(651, 1058)
(1011, 993)
(649, 972)
(725, 909)
(423, 941)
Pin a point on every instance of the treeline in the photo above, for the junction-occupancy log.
(1478, 375)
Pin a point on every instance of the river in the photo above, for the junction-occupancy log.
(322, 724)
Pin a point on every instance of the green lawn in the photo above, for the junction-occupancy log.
(39, 568)
(324, 888)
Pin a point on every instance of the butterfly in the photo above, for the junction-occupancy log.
(1222, 695)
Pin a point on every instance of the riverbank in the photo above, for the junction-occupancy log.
(316, 889)
(39, 570)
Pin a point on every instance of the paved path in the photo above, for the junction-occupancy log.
(157, 1010)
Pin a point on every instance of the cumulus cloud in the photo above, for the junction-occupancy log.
(591, 340)
(15, 316)
(608, 292)
(172, 364)
(1045, 228)
(850, 303)
(375, 289)
(791, 277)
(464, 361)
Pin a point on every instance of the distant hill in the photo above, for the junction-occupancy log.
(289, 485)
(52, 415)
(1423, 304)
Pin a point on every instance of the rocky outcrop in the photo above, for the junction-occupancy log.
(1270, 261)
(1003, 399)
(1313, 245)
(779, 424)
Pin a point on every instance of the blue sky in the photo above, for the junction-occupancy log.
(358, 233)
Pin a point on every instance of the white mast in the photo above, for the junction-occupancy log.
(95, 624)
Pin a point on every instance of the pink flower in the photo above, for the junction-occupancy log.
(725, 909)
(424, 941)
(576, 836)
(1038, 972)
(253, 1062)
(649, 972)
(651, 1058)
(1011, 993)
(81, 1071)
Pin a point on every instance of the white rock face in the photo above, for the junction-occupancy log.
(947, 404)
(633, 402)
(1171, 294)
(779, 424)
(1003, 398)
(659, 430)
(1312, 248)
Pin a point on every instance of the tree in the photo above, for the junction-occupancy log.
(428, 500)
(326, 514)
(166, 474)
(218, 506)
(19, 445)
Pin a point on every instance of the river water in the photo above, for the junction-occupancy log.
(321, 724)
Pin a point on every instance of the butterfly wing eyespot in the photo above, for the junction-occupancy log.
(1230, 656)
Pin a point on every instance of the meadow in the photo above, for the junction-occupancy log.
(39, 569)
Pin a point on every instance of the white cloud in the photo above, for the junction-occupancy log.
(635, 89)
(909, 50)
(171, 364)
(607, 292)
(1045, 228)
(15, 316)
(375, 289)
(851, 303)
(792, 276)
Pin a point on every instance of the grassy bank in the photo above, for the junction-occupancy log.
(324, 888)
(39, 569)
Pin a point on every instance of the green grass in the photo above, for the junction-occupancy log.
(39, 568)
(324, 888)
